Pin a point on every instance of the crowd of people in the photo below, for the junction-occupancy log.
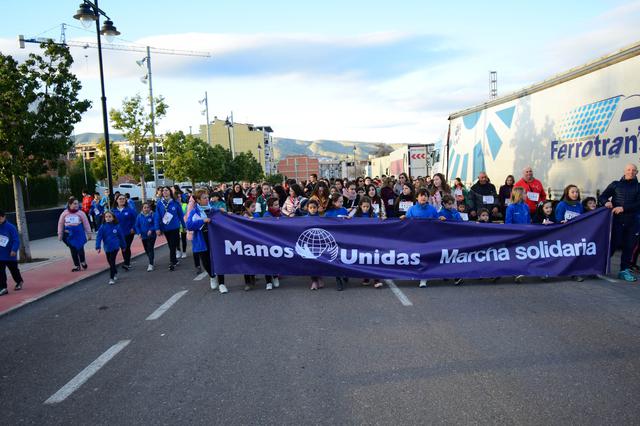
(183, 216)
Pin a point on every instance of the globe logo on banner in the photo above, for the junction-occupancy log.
(315, 242)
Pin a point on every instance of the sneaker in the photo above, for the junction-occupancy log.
(76, 269)
(115, 278)
(339, 284)
(269, 286)
(627, 276)
(172, 267)
(178, 254)
(184, 255)
(177, 262)
(458, 281)
(149, 268)
(84, 265)
(4, 291)
(423, 284)
(314, 285)
(199, 270)
(126, 267)
(247, 287)
(213, 282)
(112, 281)
(519, 279)
(320, 284)
(378, 284)
(18, 286)
(578, 278)
(366, 282)
(276, 282)
(222, 289)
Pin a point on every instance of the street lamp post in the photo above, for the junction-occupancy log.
(147, 79)
(87, 12)
(205, 101)
(260, 155)
(355, 170)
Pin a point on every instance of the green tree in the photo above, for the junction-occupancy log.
(245, 167)
(136, 123)
(276, 179)
(121, 162)
(188, 157)
(39, 106)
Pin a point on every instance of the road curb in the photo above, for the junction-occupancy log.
(65, 286)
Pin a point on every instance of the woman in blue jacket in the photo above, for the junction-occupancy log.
(169, 218)
(197, 222)
(9, 245)
(517, 211)
(146, 227)
(126, 217)
(569, 205)
(111, 237)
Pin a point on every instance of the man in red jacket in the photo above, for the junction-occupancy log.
(533, 189)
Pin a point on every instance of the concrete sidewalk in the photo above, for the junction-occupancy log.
(54, 273)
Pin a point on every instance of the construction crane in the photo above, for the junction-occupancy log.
(110, 46)
(128, 48)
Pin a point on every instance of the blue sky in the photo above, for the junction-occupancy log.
(347, 70)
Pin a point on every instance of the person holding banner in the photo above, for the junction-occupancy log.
(448, 211)
(439, 188)
(533, 189)
(421, 210)
(377, 204)
(335, 209)
(321, 195)
(169, 218)
(404, 201)
(544, 214)
(623, 198)
(292, 203)
(570, 205)
(236, 199)
(198, 222)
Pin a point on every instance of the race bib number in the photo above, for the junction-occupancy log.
(568, 215)
(376, 208)
(72, 220)
(167, 218)
(405, 205)
(390, 201)
(457, 192)
(258, 208)
(4, 240)
(465, 216)
(533, 196)
(96, 212)
(507, 201)
(237, 201)
(487, 199)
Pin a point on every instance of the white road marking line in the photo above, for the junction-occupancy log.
(399, 294)
(201, 276)
(166, 305)
(86, 374)
(606, 278)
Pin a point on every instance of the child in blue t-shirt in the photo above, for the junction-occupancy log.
(448, 211)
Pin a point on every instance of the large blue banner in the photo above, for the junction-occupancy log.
(409, 249)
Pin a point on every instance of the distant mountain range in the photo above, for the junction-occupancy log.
(283, 147)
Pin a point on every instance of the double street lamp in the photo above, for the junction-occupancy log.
(87, 13)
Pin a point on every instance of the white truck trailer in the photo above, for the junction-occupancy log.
(578, 127)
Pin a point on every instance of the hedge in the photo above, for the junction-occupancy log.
(40, 192)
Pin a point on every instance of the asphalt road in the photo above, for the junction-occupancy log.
(556, 352)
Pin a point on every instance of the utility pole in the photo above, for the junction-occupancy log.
(232, 140)
(205, 101)
(147, 59)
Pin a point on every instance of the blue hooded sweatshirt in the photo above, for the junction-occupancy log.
(422, 211)
(126, 219)
(110, 234)
(450, 214)
(195, 223)
(144, 224)
(97, 208)
(174, 221)
(9, 241)
(336, 212)
(518, 213)
(565, 211)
